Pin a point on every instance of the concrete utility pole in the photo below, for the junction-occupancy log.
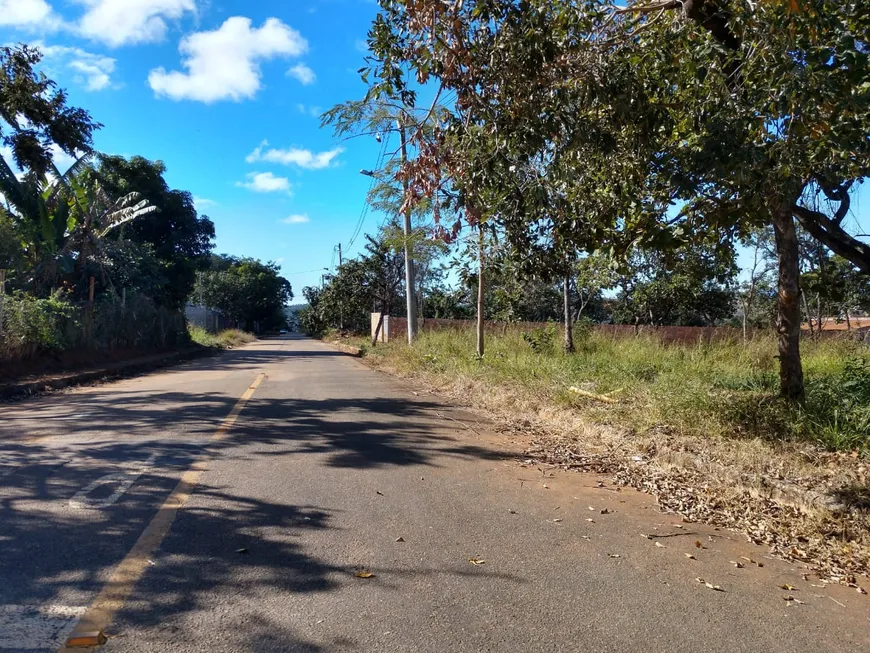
(409, 262)
(340, 308)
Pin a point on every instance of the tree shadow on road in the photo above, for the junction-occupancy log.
(221, 542)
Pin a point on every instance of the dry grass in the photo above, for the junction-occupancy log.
(226, 339)
(700, 427)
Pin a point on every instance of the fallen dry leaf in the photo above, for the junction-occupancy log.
(512, 511)
(645, 536)
(558, 520)
(711, 586)
(242, 550)
(660, 545)
(477, 561)
(364, 573)
(787, 587)
(589, 519)
(400, 539)
(698, 544)
(739, 565)
(605, 511)
(379, 492)
(792, 599)
(690, 556)
(613, 555)
(861, 590)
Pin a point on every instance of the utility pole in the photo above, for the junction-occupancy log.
(341, 307)
(409, 263)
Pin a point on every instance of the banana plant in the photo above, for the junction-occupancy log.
(92, 217)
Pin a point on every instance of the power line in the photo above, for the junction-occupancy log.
(292, 274)
(384, 141)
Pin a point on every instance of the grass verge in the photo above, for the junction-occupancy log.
(698, 426)
(226, 339)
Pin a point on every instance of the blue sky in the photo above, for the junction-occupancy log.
(227, 93)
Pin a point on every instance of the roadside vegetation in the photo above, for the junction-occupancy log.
(100, 259)
(226, 339)
(709, 390)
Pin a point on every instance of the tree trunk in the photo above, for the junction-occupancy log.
(569, 326)
(810, 321)
(480, 288)
(788, 318)
(848, 323)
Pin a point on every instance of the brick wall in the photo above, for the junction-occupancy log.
(667, 334)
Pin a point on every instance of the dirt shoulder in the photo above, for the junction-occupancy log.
(25, 380)
(805, 504)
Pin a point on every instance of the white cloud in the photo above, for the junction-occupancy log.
(224, 64)
(299, 218)
(303, 73)
(265, 182)
(202, 203)
(62, 160)
(25, 13)
(294, 156)
(309, 110)
(93, 71)
(125, 22)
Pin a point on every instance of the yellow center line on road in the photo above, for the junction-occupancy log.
(89, 630)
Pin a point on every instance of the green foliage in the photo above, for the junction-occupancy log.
(34, 327)
(541, 340)
(34, 115)
(687, 287)
(246, 291)
(575, 129)
(178, 239)
(372, 281)
(720, 390)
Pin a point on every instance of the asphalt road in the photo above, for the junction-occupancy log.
(228, 504)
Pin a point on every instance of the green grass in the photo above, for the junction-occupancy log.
(712, 390)
(222, 340)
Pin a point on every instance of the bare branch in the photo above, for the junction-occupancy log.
(649, 9)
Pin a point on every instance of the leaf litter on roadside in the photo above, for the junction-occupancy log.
(477, 561)
(711, 586)
(364, 573)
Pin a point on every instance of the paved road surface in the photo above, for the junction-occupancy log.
(298, 467)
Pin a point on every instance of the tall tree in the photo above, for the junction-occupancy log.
(35, 121)
(246, 290)
(180, 238)
(764, 106)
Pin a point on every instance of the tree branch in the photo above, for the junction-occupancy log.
(829, 232)
(648, 9)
